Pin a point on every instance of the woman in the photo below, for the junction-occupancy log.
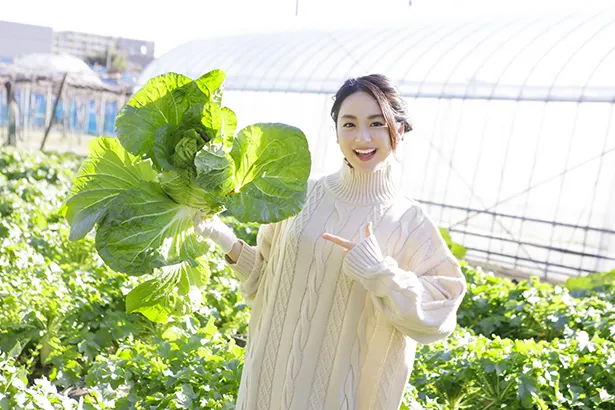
(342, 292)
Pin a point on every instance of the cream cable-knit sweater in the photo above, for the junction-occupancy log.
(330, 331)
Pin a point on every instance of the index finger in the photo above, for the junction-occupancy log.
(338, 240)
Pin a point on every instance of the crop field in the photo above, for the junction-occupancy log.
(67, 341)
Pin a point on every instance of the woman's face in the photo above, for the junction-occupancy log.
(362, 132)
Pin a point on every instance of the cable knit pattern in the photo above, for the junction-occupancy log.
(322, 253)
(331, 339)
(389, 370)
(335, 330)
(283, 295)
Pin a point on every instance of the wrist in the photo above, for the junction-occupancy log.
(223, 235)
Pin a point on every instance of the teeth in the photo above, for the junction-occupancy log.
(364, 151)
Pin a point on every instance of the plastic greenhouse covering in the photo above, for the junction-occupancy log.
(513, 147)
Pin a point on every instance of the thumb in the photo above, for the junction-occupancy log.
(368, 230)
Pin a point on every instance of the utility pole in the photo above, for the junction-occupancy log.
(296, 8)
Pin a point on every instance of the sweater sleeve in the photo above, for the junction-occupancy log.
(421, 297)
(253, 259)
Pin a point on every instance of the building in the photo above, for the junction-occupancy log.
(81, 45)
(17, 38)
(138, 53)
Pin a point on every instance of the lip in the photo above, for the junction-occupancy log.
(367, 157)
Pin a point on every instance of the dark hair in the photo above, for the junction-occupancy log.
(387, 96)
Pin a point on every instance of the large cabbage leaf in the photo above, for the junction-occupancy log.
(163, 100)
(145, 230)
(165, 140)
(229, 125)
(175, 291)
(212, 84)
(108, 170)
(215, 169)
(272, 165)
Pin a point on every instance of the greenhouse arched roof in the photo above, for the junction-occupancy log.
(555, 56)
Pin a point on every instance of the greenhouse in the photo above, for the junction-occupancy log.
(513, 147)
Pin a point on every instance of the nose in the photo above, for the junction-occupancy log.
(362, 134)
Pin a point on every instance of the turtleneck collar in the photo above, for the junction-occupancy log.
(364, 188)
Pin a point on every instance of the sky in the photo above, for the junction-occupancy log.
(172, 23)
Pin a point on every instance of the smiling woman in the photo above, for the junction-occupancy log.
(343, 291)
(370, 118)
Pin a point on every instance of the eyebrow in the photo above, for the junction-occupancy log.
(371, 117)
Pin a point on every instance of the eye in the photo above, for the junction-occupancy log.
(377, 124)
(348, 125)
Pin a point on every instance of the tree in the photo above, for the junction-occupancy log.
(112, 59)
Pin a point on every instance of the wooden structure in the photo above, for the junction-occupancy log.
(78, 89)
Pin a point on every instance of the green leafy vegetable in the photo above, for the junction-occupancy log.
(108, 171)
(180, 186)
(163, 100)
(271, 172)
(215, 170)
(229, 125)
(145, 229)
(177, 155)
(157, 301)
(584, 284)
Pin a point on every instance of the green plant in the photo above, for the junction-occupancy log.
(531, 309)
(456, 249)
(598, 283)
(469, 370)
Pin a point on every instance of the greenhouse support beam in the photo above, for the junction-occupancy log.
(544, 221)
(604, 96)
(535, 245)
(540, 262)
